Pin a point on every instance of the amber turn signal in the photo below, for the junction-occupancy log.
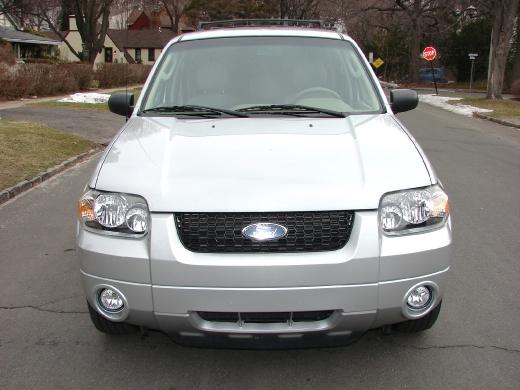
(86, 210)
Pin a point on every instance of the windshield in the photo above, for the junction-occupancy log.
(246, 73)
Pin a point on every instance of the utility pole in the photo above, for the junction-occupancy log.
(472, 57)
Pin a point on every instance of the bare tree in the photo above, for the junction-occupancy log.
(92, 20)
(175, 10)
(419, 16)
(516, 61)
(299, 9)
(505, 12)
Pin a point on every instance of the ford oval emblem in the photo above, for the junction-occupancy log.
(264, 231)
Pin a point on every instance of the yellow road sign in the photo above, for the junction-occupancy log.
(378, 62)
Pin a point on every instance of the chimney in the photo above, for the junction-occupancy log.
(155, 21)
(72, 23)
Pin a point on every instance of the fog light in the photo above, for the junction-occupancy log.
(110, 300)
(419, 298)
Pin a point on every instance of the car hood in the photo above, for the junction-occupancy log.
(262, 164)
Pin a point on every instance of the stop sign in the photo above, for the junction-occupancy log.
(429, 53)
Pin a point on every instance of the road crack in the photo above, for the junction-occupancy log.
(43, 309)
(40, 308)
(454, 346)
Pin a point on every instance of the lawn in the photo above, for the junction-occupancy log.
(84, 106)
(501, 108)
(29, 148)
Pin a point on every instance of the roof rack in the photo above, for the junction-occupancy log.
(262, 23)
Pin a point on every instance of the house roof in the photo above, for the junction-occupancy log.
(140, 38)
(23, 37)
(53, 35)
(134, 14)
(128, 38)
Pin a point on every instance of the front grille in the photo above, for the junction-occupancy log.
(306, 231)
(265, 317)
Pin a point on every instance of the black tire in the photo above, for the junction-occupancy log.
(110, 327)
(421, 324)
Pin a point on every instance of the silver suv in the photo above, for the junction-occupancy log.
(263, 191)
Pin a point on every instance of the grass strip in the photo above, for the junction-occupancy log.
(27, 149)
(502, 109)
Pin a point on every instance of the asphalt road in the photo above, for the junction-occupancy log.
(47, 341)
(96, 126)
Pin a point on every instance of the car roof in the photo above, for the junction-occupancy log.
(262, 32)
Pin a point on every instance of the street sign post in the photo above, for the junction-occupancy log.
(429, 53)
(472, 57)
(378, 62)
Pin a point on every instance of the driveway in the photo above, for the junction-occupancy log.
(47, 340)
(97, 126)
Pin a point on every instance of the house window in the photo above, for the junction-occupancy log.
(138, 56)
(151, 54)
(109, 55)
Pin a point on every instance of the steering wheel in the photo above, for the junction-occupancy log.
(315, 91)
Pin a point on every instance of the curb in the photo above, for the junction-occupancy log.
(25, 185)
(499, 121)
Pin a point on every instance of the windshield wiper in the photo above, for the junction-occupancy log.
(195, 110)
(291, 109)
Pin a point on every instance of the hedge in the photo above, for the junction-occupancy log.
(21, 80)
(6, 53)
(115, 75)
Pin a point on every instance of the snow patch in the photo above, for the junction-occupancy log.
(89, 97)
(388, 84)
(442, 102)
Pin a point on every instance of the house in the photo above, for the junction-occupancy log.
(26, 45)
(143, 46)
(7, 22)
(149, 20)
(132, 46)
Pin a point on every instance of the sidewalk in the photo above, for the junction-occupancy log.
(24, 101)
(447, 100)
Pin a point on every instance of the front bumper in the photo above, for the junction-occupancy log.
(165, 286)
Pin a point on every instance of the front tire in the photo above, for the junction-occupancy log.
(109, 327)
(421, 324)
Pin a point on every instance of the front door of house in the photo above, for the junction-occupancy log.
(108, 54)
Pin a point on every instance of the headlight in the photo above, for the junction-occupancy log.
(413, 211)
(114, 213)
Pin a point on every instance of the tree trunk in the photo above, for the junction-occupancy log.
(175, 19)
(415, 51)
(283, 9)
(505, 13)
(516, 61)
(176, 24)
(414, 12)
(88, 13)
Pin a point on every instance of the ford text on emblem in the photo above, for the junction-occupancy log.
(264, 231)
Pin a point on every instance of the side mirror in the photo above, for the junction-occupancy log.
(121, 104)
(403, 100)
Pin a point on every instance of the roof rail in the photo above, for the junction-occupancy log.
(262, 23)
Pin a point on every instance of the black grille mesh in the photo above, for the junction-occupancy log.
(306, 231)
(266, 318)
